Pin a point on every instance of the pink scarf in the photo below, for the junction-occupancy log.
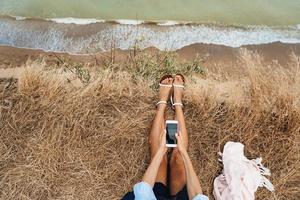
(240, 177)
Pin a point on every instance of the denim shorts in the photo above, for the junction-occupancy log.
(162, 193)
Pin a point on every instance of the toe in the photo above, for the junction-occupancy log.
(165, 81)
(178, 79)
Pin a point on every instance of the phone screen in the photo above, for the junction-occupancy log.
(171, 131)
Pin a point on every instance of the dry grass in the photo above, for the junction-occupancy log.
(89, 141)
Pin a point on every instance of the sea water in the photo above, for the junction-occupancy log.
(85, 26)
(238, 12)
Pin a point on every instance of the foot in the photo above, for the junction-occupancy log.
(178, 91)
(165, 92)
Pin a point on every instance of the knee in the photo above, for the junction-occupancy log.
(176, 159)
(164, 161)
(177, 171)
(152, 144)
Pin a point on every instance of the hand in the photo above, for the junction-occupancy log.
(180, 144)
(162, 141)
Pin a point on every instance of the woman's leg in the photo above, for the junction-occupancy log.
(158, 127)
(177, 174)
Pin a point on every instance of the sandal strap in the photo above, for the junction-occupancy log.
(161, 102)
(177, 104)
(180, 86)
(164, 85)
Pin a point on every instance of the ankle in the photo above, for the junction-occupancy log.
(177, 100)
(161, 107)
(178, 108)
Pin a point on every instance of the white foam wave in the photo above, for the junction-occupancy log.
(82, 21)
(20, 18)
(30, 34)
(170, 23)
(79, 21)
(128, 21)
(175, 37)
(85, 21)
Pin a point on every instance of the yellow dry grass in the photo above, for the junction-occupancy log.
(61, 140)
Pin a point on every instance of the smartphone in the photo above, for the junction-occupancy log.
(171, 129)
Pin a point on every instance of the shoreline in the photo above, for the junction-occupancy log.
(95, 37)
(166, 22)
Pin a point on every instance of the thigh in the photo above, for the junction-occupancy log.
(177, 173)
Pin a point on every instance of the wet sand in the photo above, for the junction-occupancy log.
(12, 57)
(278, 51)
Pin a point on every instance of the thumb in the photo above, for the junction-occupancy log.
(164, 132)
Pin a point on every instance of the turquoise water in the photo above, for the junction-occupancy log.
(229, 12)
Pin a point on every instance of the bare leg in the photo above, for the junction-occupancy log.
(178, 176)
(157, 128)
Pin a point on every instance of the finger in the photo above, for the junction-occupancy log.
(162, 133)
